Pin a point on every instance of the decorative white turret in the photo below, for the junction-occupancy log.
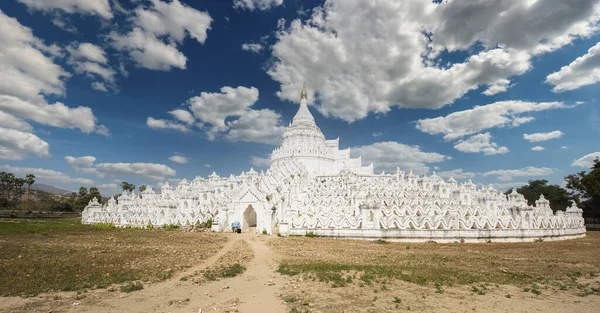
(304, 141)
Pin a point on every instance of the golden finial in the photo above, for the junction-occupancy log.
(304, 92)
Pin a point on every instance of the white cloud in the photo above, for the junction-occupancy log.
(260, 162)
(564, 147)
(165, 124)
(583, 71)
(537, 137)
(538, 148)
(480, 143)
(43, 175)
(367, 56)
(499, 86)
(214, 108)
(255, 48)
(389, 155)
(587, 160)
(94, 7)
(179, 159)
(9, 121)
(80, 162)
(148, 170)
(227, 113)
(376, 134)
(28, 73)
(508, 186)
(87, 52)
(57, 115)
(25, 71)
(207, 165)
(103, 130)
(529, 171)
(99, 86)
(472, 121)
(458, 174)
(262, 126)
(252, 5)
(183, 115)
(90, 59)
(16, 144)
(152, 24)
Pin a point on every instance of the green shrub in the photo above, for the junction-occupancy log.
(169, 227)
(132, 286)
(310, 234)
(105, 225)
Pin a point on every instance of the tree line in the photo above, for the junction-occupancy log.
(16, 194)
(583, 188)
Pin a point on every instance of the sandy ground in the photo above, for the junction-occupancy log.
(261, 289)
(256, 290)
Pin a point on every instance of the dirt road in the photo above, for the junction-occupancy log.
(256, 290)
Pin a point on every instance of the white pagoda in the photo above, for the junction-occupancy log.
(313, 186)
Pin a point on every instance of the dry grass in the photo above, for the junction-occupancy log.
(63, 255)
(231, 264)
(329, 275)
(559, 263)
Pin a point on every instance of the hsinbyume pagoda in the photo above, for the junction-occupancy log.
(313, 186)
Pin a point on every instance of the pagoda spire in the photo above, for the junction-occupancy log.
(304, 96)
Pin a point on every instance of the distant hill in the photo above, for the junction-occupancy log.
(50, 189)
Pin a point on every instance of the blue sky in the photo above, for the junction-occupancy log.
(396, 81)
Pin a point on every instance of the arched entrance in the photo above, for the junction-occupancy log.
(249, 219)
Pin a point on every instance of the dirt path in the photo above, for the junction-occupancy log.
(256, 290)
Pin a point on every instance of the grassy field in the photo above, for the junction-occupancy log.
(340, 262)
(64, 255)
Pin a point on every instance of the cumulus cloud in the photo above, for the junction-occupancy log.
(179, 159)
(227, 113)
(183, 116)
(57, 115)
(155, 23)
(255, 48)
(252, 5)
(538, 148)
(148, 170)
(480, 143)
(87, 52)
(365, 56)
(28, 74)
(80, 162)
(585, 70)
(260, 162)
(214, 108)
(262, 126)
(12, 122)
(166, 124)
(587, 160)
(90, 59)
(458, 174)
(26, 70)
(537, 137)
(480, 118)
(16, 144)
(508, 186)
(44, 175)
(389, 155)
(529, 171)
(95, 7)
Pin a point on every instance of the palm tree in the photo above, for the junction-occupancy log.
(142, 188)
(19, 182)
(29, 180)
